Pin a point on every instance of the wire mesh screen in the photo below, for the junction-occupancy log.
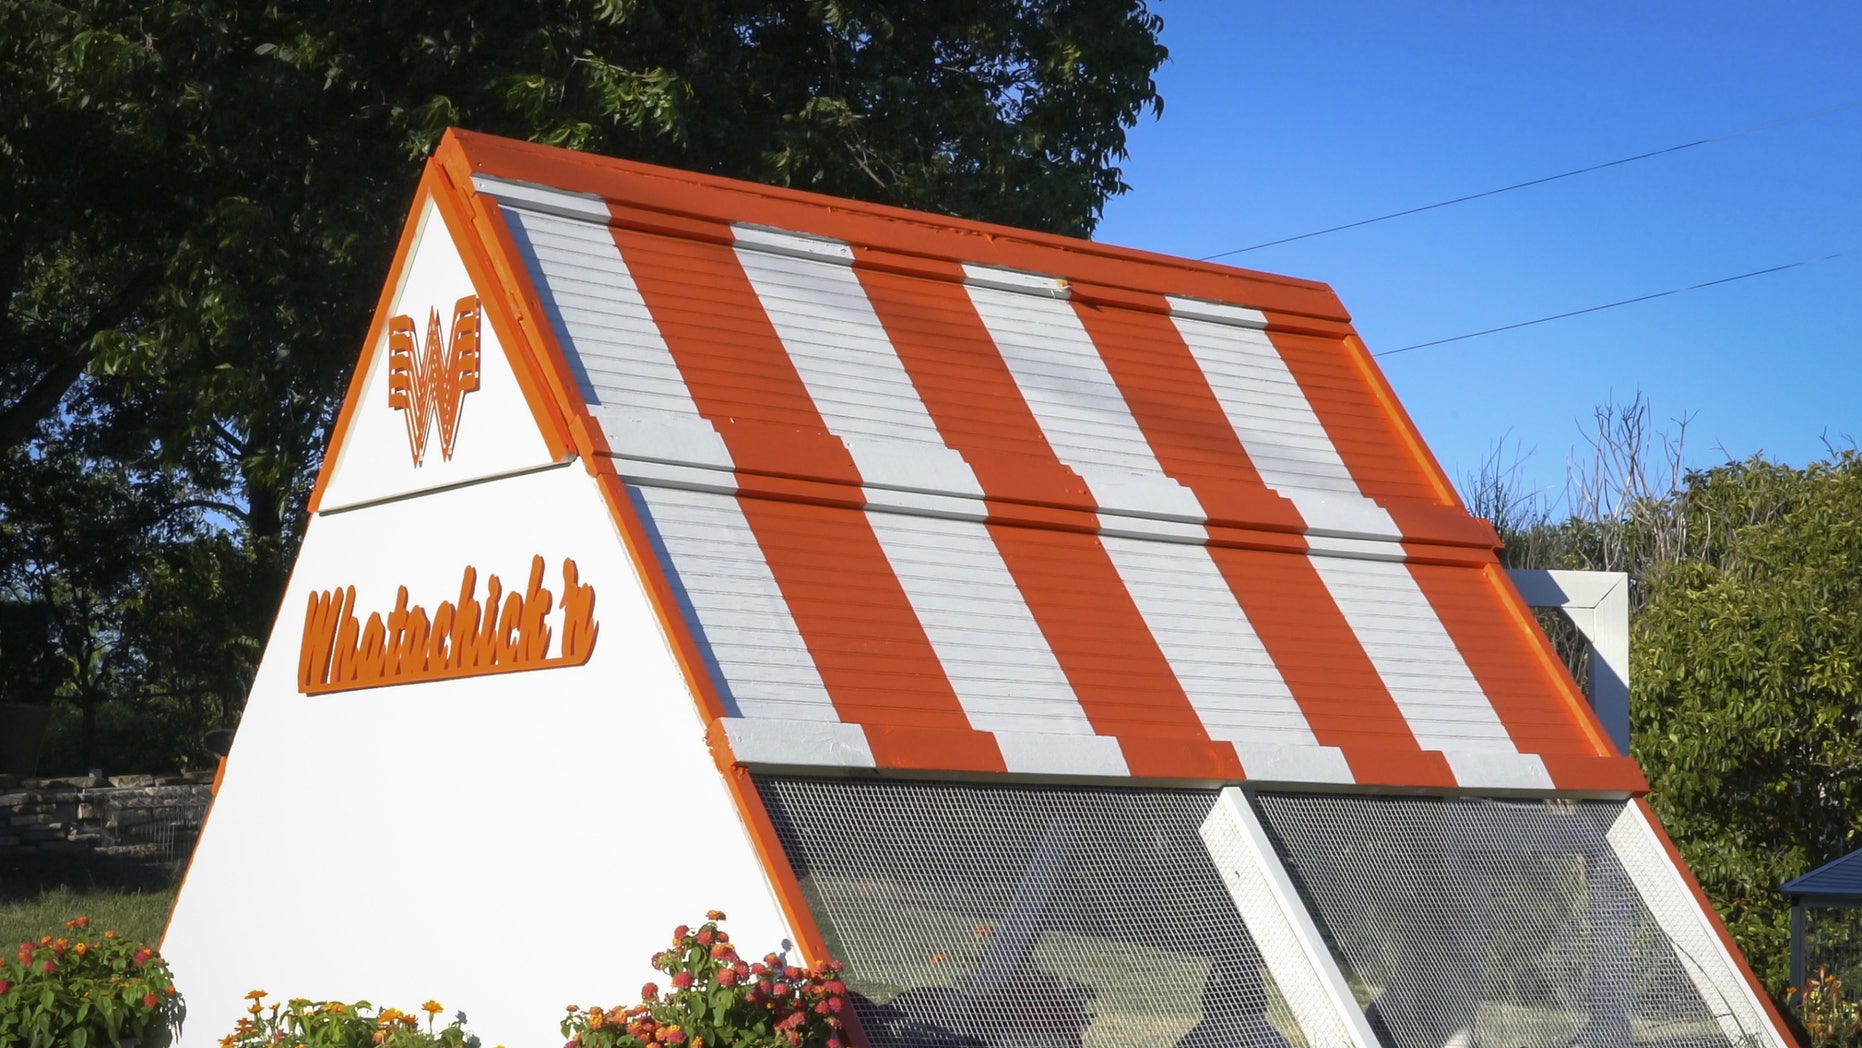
(1833, 945)
(1027, 916)
(1480, 923)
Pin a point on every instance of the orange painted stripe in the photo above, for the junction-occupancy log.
(733, 362)
(1537, 708)
(1124, 683)
(1119, 675)
(679, 194)
(965, 385)
(1374, 448)
(854, 617)
(1376, 440)
(1182, 419)
(1330, 676)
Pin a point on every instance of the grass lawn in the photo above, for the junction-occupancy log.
(39, 894)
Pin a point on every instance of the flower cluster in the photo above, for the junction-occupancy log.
(339, 1024)
(1831, 1017)
(716, 999)
(83, 988)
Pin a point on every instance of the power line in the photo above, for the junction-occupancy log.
(1537, 181)
(1623, 302)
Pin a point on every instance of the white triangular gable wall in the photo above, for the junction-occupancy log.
(506, 844)
(498, 433)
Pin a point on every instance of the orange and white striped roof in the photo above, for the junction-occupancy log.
(926, 495)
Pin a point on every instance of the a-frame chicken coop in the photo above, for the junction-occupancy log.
(1079, 644)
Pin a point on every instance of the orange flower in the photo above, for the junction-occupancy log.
(253, 995)
(714, 915)
(432, 1008)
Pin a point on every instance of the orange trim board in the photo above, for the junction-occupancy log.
(509, 632)
(545, 407)
(1713, 919)
(546, 401)
(524, 303)
(709, 197)
(397, 270)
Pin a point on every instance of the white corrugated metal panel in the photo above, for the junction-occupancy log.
(1081, 411)
(1412, 652)
(1279, 428)
(625, 370)
(989, 643)
(1006, 670)
(1213, 650)
(853, 375)
(744, 622)
(1426, 675)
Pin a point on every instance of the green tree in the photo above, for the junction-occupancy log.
(1746, 667)
(198, 199)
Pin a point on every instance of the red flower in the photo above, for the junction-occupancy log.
(704, 936)
(679, 934)
(835, 1004)
(726, 977)
(150, 1000)
(4, 985)
(142, 956)
(649, 991)
(48, 966)
(682, 981)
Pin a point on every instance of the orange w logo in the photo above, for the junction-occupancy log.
(431, 380)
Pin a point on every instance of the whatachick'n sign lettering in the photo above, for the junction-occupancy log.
(508, 632)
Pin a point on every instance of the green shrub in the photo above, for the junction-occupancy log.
(717, 1000)
(337, 1024)
(82, 992)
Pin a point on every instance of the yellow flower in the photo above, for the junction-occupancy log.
(253, 995)
(432, 1008)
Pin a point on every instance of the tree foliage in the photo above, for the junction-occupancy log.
(1746, 662)
(198, 201)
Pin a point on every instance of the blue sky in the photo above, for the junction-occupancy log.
(1282, 119)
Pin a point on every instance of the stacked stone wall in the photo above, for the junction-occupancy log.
(122, 816)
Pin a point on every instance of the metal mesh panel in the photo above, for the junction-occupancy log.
(1027, 916)
(1833, 945)
(1478, 923)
